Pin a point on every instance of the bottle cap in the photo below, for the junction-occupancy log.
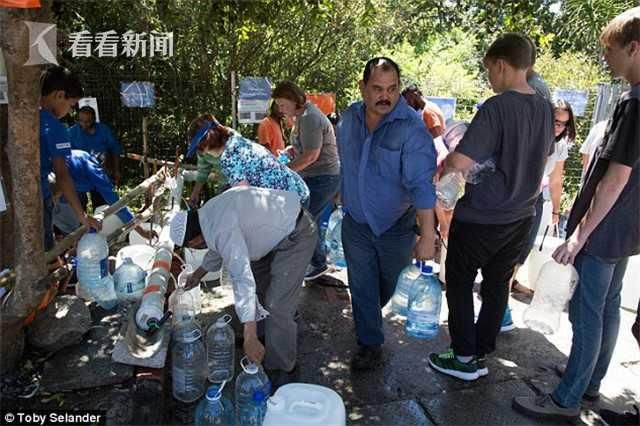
(426, 269)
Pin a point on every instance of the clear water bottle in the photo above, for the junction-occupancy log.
(333, 239)
(225, 277)
(401, 295)
(195, 292)
(423, 308)
(252, 391)
(129, 281)
(215, 409)
(449, 189)
(189, 363)
(554, 288)
(182, 305)
(221, 350)
(93, 269)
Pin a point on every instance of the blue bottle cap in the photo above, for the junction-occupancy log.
(426, 269)
(213, 392)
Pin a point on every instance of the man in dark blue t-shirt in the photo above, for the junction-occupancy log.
(60, 90)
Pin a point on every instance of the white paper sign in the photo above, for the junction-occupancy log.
(93, 103)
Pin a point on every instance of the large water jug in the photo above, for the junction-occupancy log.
(554, 288)
(333, 238)
(403, 285)
(189, 362)
(93, 269)
(221, 349)
(305, 404)
(423, 308)
(252, 390)
(129, 281)
(215, 409)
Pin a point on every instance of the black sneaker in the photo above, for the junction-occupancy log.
(627, 418)
(315, 272)
(367, 358)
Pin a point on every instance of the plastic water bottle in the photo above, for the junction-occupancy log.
(225, 277)
(221, 350)
(401, 295)
(423, 308)
(554, 288)
(129, 281)
(195, 292)
(93, 269)
(333, 239)
(252, 391)
(151, 308)
(189, 364)
(449, 189)
(182, 305)
(215, 409)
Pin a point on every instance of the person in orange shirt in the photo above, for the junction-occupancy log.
(270, 130)
(431, 114)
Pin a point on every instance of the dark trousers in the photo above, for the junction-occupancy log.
(373, 265)
(493, 249)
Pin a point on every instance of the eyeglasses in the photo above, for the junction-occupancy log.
(561, 123)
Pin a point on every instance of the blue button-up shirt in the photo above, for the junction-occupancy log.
(96, 144)
(386, 171)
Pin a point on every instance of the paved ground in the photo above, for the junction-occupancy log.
(404, 391)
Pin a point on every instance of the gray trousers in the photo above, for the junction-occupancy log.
(279, 276)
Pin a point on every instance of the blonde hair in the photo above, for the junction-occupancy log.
(623, 29)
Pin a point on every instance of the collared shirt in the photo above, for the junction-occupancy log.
(96, 144)
(88, 176)
(241, 225)
(54, 143)
(386, 171)
(244, 160)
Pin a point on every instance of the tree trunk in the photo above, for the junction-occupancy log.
(23, 150)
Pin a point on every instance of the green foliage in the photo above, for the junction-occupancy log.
(581, 21)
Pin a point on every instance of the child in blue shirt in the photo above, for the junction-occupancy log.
(60, 90)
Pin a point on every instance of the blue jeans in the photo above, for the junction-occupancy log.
(323, 189)
(374, 264)
(594, 312)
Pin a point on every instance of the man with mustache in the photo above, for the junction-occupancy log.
(387, 162)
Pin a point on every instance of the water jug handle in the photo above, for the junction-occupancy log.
(226, 318)
(318, 406)
(546, 230)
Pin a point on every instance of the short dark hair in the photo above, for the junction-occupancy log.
(60, 78)
(382, 62)
(412, 88)
(290, 91)
(570, 129)
(513, 48)
(534, 50)
(88, 110)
